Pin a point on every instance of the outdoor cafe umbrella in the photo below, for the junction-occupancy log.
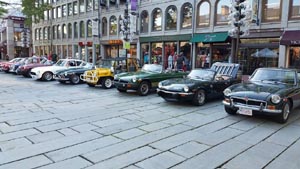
(265, 53)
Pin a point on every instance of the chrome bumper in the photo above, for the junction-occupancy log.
(251, 107)
(170, 92)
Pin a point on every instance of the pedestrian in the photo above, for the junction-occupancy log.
(170, 61)
(180, 61)
(146, 58)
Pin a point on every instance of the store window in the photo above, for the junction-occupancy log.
(75, 30)
(64, 31)
(145, 59)
(64, 10)
(58, 31)
(75, 8)
(294, 58)
(203, 14)
(144, 22)
(156, 53)
(113, 25)
(70, 9)
(294, 9)
(202, 56)
(81, 29)
(69, 30)
(156, 19)
(271, 10)
(104, 27)
(171, 18)
(223, 10)
(89, 28)
(185, 50)
(81, 6)
(170, 57)
(89, 5)
(186, 16)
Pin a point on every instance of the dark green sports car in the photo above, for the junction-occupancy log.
(145, 80)
(271, 91)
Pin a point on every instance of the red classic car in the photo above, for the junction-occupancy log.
(25, 69)
(5, 66)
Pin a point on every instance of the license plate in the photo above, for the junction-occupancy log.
(243, 111)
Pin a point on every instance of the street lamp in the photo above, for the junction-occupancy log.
(125, 30)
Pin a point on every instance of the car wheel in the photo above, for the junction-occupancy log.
(75, 79)
(230, 110)
(47, 76)
(284, 116)
(144, 88)
(199, 98)
(106, 83)
(90, 85)
(121, 90)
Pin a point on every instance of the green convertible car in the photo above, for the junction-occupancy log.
(146, 79)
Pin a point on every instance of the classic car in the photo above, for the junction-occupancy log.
(46, 73)
(5, 66)
(13, 67)
(72, 75)
(270, 91)
(200, 84)
(145, 80)
(105, 70)
(25, 69)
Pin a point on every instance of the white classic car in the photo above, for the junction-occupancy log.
(46, 73)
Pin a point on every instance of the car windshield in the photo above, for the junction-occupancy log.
(105, 64)
(61, 62)
(202, 74)
(152, 68)
(274, 76)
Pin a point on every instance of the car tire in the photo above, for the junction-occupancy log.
(199, 98)
(230, 110)
(121, 90)
(90, 85)
(284, 116)
(47, 76)
(144, 88)
(107, 83)
(75, 79)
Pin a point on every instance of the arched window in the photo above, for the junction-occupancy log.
(69, 30)
(271, 10)
(41, 34)
(186, 16)
(203, 14)
(89, 28)
(104, 27)
(36, 34)
(45, 32)
(54, 32)
(223, 10)
(144, 22)
(64, 31)
(156, 19)
(113, 25)
(171, 18)
(81, 29)
(75, 30)
(294, 9)
(58, 31)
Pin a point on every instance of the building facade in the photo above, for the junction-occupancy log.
(196, 28)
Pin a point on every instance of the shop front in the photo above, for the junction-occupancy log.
(291, 41)
(114, 48)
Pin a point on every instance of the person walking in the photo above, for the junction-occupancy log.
(170, 61)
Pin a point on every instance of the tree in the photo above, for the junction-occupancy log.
(2, 10)
(34, 10)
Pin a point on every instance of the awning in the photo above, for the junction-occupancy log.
(210, 37)
(290, 38)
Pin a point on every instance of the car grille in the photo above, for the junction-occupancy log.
(33, 73)
(245, 101)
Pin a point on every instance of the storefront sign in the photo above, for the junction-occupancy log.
(95, 28)
(115, 42)
(126, 45)
(295, 42)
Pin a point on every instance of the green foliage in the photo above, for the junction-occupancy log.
(32, 9)
(2, 11)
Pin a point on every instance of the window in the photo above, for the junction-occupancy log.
(156, 20)
(294, 9)
(64, 31)
(89, 28)
(46, 15)
(49, 32)
(112, 3)
(69, 30)
(271, 10)
(96, 4)
(64, 10)
(113, 25)
(54, 32)
(75, 30)
(54, 13)
(144, 22)
(89, 5)
(223, 10)
(171, 18)
(75, 8)
(58, 32)
(58, 10)
(82, 31)
(203, 14)
(70, 9)
(45, 30)
(36, 34)
(187, 15)
(104, 27)
(81, 6)
(40, 34)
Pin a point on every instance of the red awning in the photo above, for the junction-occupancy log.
(290, 38)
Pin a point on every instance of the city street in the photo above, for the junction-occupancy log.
(50, 125)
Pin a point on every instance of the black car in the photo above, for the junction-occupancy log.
(200, 84)
(270, 91)
(72, 74)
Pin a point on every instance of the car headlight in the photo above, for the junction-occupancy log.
(227, 92)
(185, 88)
(134, 79)
(66, 74)
(116, 77)
(112, 69)
(275, 98)
(159, 85)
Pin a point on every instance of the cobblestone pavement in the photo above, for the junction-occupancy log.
(50, 125)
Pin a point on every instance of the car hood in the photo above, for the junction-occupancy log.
(180, 82)
(130, 75)
(73, 70)
(49, 68)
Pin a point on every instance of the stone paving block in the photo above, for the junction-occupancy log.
(126, 159)
(155, 118)
(190, 149)
(256, 157)
(116, 128)
(163, 160)
(42, 137)
(14, 144)
(67, 131)
(82, 148)
(73, 163)
(27, 163)
(215, 156)
(131, 117)
(147, 113)
(40, 148)
(289, 159)
(132, 167)
(137, 142)
(32, 117)
(84, 127)
(108, 122)
(285, 136)
(173, 121)
(18, 134)
(247, 124)
(215, 126)
(125, 135)
(154, 126)
(201, 120)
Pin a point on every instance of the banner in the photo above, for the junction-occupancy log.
(133, 5)
(254, 16)
(95, 28)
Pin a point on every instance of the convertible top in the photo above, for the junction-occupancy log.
(229, 69)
